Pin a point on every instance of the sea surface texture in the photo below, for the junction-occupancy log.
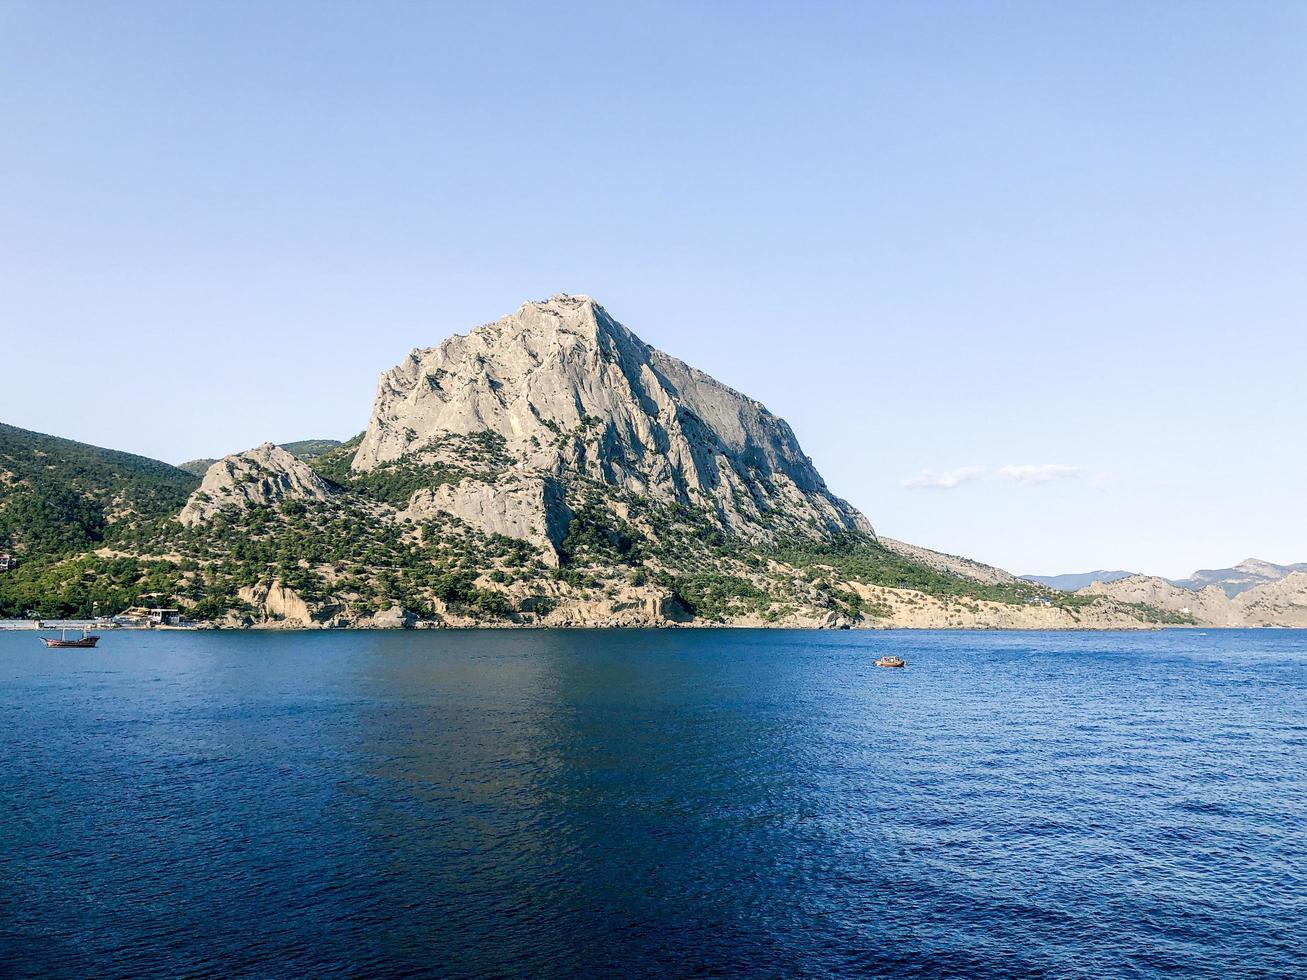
(686, 802)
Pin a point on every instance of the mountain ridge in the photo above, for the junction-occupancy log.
(1232, 581)
(1248, 574)
(545, 469)
(1280, 602)
(1074, 581)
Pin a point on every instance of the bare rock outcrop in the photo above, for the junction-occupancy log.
(261, 476)
(275, 605)
(628, 607)
(394, 618)
(531, 509)
(573, 393)
(907, 609)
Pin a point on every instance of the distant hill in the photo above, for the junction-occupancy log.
(1246, 575)
(310, 448)
(196, 467)
(1074, 581)
(949, 564)
(58, 496)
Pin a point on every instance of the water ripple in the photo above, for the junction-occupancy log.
(651, 804)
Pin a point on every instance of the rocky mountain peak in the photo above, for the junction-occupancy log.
(262, 476)
(570, 393)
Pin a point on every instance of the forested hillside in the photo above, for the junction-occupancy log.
(59, 497)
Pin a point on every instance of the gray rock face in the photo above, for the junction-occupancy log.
(574, 393)
(394, 618)
(261, 476)
(530, 508)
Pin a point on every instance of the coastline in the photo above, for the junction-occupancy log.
(32, 627)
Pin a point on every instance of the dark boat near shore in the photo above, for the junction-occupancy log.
(85, 641)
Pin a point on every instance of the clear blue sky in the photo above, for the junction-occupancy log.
(1051, 255)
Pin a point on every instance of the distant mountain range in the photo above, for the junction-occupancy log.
(1075, 581)
(1246, 575)
(1280, 602)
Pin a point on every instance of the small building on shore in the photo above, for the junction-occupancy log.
(150, 616)
(7, 562)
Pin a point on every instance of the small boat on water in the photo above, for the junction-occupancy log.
(891, 662)
(85, 641)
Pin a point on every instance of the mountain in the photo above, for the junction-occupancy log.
(1074, 581)
(1232, 581)
(566, 392)
(549, 468)
(310, 448)
(58, 496)
(1281, 602)
(1210, 607)
(1243, 576)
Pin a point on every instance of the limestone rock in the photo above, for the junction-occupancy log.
(572, 392)
(261, 476)
(277, 606)
(394, 618)
(906, 609)
(629, 607)
(529, 508)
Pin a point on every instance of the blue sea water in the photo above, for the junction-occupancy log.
(558, 803)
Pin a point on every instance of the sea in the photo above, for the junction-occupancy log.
(672, 803)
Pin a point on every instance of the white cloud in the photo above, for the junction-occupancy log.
(1033, 474)
(945, 479)
(1027, 474)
